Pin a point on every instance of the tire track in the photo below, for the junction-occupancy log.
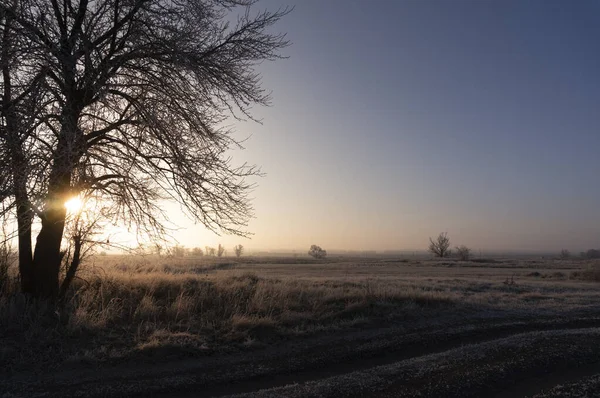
(257, 373)
(423, 345)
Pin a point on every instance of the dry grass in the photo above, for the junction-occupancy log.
(141, 306)
(590, 274)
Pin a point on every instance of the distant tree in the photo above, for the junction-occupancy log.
(591, 254)
(463, 252)
(197, 252)
(441, 246)
(565, 254)
(220, 250)
(316, 252)
(210, 251)
(239, 250)
(158, 249)
(178, 251)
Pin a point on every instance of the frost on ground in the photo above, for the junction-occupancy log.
(368, 326)
(473, 370)
(585, 388)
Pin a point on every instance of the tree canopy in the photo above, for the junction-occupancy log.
(123, 102)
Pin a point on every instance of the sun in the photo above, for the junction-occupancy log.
(74, 204)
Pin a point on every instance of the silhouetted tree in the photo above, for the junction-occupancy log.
(210, 251)
(239, 250)
(591, 254)
(21, 101)
(178, 251)
(463, 252)
(220, 250)
(565, 254)
(125, 100)
(316, 252)
(440, 247)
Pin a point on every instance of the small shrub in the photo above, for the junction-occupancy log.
(316, 252)
(463, 253)
(558, 275)
(592, 275)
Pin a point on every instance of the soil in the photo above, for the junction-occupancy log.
(486, 357)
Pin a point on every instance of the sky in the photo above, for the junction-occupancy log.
(393, 121)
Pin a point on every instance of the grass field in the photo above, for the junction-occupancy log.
(158, 309)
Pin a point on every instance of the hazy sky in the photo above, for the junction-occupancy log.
(395, 120)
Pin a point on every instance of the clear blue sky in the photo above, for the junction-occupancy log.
(395, 120)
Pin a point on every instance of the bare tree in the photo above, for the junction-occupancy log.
(463, 252)
(82, 230)
(210, 251)
(197, 252)
(239, 250)
(177, 251)
(21, 100)
(591, 254)
(220, 250)
(441, 246)
(133, 94)
(565, 254)
(316, 252)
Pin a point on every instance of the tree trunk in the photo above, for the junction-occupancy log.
(25, 247)
(19, 164)
(47, 258)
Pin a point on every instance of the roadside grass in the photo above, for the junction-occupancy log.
(156, 308)
(118, 314)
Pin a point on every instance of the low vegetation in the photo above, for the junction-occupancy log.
(127, 311)
(123, 307)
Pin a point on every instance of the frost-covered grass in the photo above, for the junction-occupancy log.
(124, 306)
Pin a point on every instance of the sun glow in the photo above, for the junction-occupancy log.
(74, 205)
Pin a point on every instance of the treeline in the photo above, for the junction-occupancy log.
(182, 251)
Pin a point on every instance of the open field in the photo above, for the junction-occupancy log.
(300, 327)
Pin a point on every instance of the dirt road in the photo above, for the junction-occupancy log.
(484, 358)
